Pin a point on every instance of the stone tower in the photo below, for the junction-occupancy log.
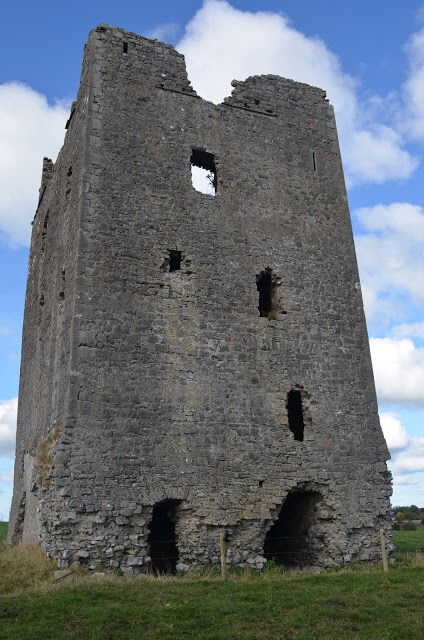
(195, 362)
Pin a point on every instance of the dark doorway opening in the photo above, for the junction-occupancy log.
(295, 414)
(162, 538)
(288, 542)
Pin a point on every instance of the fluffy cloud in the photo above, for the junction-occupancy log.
(407, 453)
(29, 129)
(222, 43)
(398, 370)
(374, 154)
(390, 256)
(410, 459)
(394, 431)
(8, 414)
(414, 87)
(7, 477)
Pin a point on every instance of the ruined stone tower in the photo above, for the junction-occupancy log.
(195, 362)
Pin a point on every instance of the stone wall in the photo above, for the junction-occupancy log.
(169, 384)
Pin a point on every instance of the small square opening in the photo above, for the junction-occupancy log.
(175, 258)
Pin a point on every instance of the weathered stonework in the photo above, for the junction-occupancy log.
(153, 377)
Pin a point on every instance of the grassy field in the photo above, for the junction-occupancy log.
(3, 530)
(355, 603)
(362, 605)
(409, 540)
(349, 604)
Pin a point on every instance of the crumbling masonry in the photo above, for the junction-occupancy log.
(195, 362)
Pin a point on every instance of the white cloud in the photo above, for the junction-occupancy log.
(29, 130)
(8, 414)
(401, 217)
(407, 461)
(398, 370)
(405, 330)
(394, 431)
(406, 480)
(222, 43)
(414, 87)
(7, 477)
(374, 154)
(410, 459)
(165, 31)
(390, 256)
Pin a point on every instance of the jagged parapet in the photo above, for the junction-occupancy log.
(193, 361)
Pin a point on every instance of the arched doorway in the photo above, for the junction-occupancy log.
(288, 542)
(162, 538)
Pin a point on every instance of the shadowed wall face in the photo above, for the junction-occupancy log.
(201, 348)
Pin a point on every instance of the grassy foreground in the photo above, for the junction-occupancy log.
(355, 604)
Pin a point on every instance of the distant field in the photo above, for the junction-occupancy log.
(3, 530)
(409, 540)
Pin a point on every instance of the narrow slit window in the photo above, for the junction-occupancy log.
(44, 232)
(295, 414)
(203, 172)
(62, 290)
(125, 47)
(314, 161)
(266, 288)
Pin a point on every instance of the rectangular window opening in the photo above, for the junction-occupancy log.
(175, 258)
(266, 284)
(203, 172)
(295, 414)
(125, 47)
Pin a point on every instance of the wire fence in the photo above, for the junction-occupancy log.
(284, 548)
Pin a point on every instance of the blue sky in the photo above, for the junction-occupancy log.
(369, 56)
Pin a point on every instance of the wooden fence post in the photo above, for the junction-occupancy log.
(383, 550)
(223, 556)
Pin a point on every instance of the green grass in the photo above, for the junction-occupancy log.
(354, 603)
(3, 530)
(409, 540)
(357, 604)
